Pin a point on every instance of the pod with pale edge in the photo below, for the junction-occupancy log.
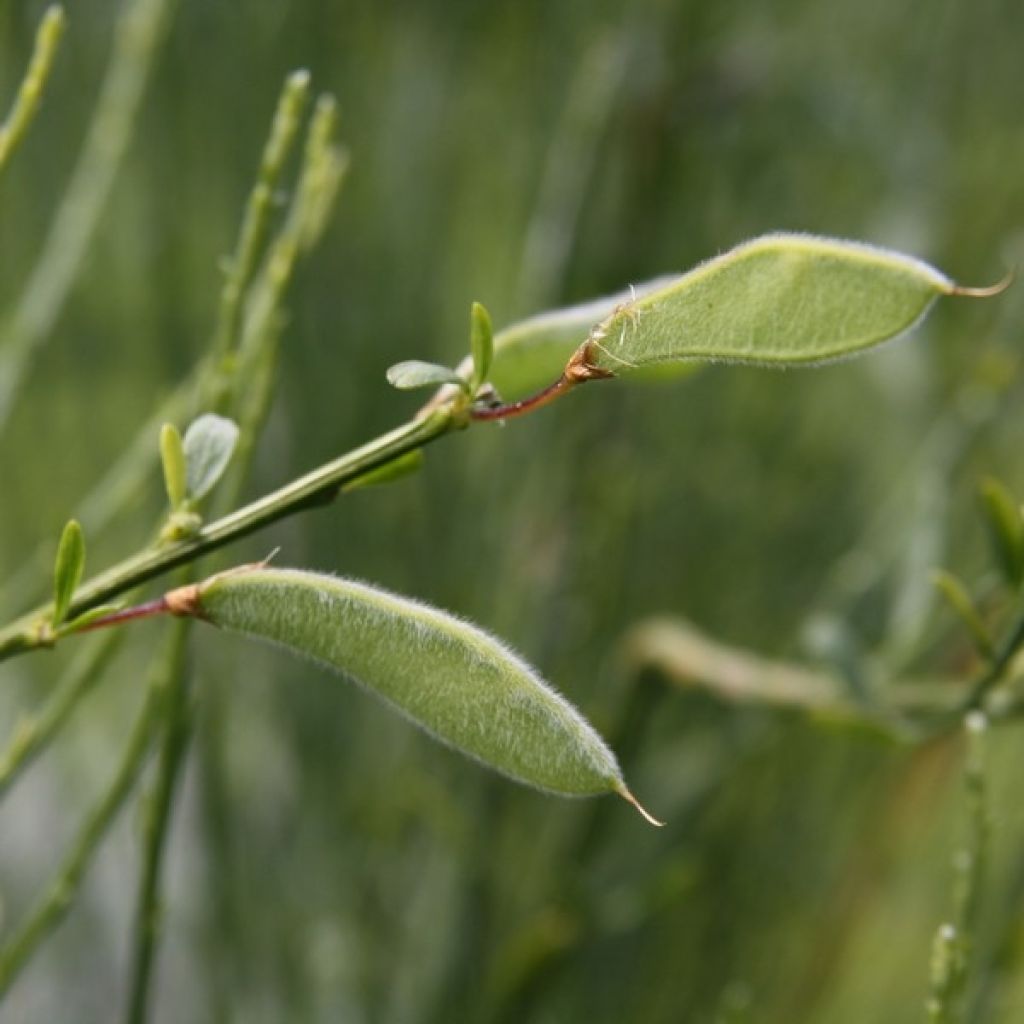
(782, 299)
(451, 678)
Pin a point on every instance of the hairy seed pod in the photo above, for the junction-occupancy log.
(448, 676)
(779, 300)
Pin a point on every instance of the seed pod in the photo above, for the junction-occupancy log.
(778, 300)
(449, 677)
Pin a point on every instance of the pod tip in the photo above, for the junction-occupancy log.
(624, 792)
(990, 290)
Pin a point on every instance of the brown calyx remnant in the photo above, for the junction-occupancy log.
(581, 366)
(184, 601)
(187, 600)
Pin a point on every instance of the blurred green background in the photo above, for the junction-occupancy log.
(327, 861)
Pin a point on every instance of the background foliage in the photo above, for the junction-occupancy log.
(328, 862)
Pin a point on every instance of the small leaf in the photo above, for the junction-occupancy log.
(398, 468)
(481, 346)
(209, 442)
(447, 676)
(172, 457)
(778, 300)
(953, 590)
(67, 570)
(1006, 529)
(413, 373)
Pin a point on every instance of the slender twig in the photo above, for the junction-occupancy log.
(253, 232)
(34, 735)
(525, 405)
(61, 892)
(997, 668)
(156, 826)
(30, 92)
(953, 946)
(140, 30)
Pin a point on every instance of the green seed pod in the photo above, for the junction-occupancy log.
(778, 300)
(451, 678)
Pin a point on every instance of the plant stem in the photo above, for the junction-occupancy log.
(30, 92)
(997, 667)
(140, 31)
(33, 735)
(525, 405)
(315, 488)
(177, 731)
(57, 900)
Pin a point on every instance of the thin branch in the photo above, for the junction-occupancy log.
(34, 735)
(997, 668)
(61, 893)
(140, 31)
(177, 732)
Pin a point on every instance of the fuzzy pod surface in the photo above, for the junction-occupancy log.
(451, 678)
(782, 299)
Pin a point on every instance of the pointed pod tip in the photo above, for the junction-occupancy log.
(986, 292)
(624, 792)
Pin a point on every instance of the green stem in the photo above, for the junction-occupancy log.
(177, 730)
(60, 895)
(315, 488)
(30, 92)
(996, 668)
(252, 235)
(140, 31)
(31, 737)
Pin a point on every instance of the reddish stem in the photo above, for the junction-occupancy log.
(525, 405)
(158, 606)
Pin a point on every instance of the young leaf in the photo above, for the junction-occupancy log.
(172, 458)
(778, 300)
(1006, 528)
(481, 346)
(209, 442)
(447, 676)
(413, 373)
(67, 570)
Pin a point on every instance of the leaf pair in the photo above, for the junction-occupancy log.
(414, 373)
(193, 465)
